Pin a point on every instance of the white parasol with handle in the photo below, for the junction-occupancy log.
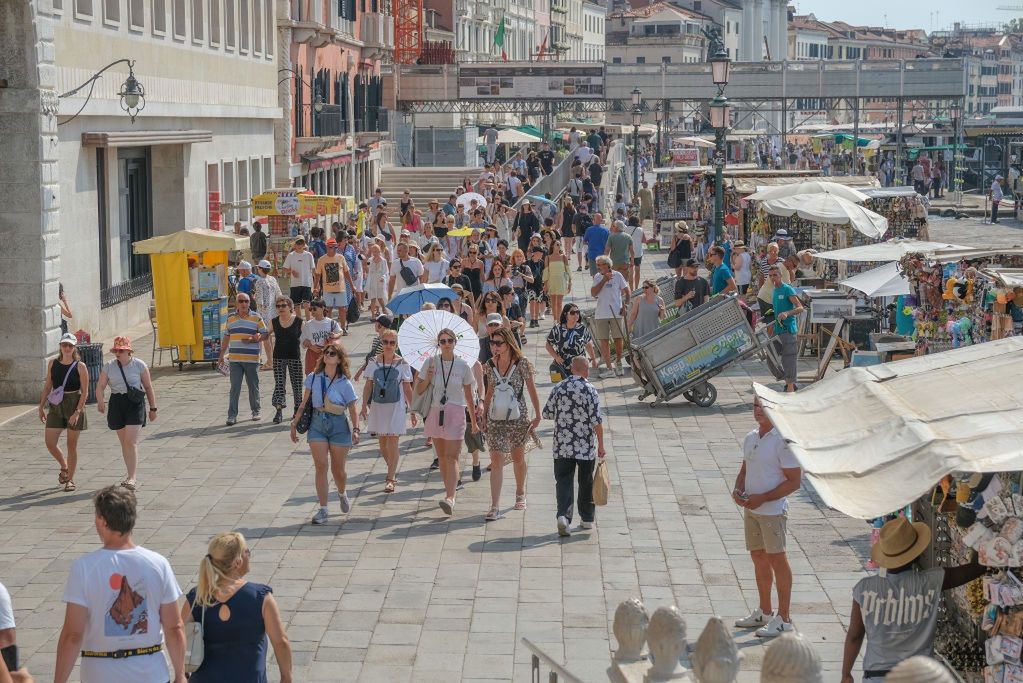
(417, 337)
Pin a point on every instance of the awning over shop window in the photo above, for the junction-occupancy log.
(872, 440)
(142, 138)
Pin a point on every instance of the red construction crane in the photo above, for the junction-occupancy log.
(408, 31)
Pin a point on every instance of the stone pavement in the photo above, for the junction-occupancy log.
(395, 591)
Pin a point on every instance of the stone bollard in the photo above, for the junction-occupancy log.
(919, 669)
(791, 659)
(630, 628)
(666, 636)
(716, 659)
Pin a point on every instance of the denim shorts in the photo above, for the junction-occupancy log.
(335, 299)
(329, 428)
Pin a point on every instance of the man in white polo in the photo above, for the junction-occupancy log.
(612, 292)
(768, 474)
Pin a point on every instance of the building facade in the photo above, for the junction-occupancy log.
(204, 136)
(657, 33)
(593, 32)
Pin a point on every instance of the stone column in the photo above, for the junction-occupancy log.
(758, 31)
(769, 30)
(746, 32)
(782, 25)
(29, 227)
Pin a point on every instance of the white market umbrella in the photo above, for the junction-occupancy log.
(417, 337)
(828, 208)
(510, 136)
(809, 187)
(467, 197)
(693, 141)
(883, 281)
(890, 250)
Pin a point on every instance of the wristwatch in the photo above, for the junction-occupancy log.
(152, 408)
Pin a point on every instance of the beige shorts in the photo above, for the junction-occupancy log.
(607, 328)
(765, 532)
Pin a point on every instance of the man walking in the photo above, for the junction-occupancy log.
(721, 280)
(122, 603)
(691, 290)
(546, 159)
(490, 136)
(620, 250)
(257, 242)
(595, 238)
(245, 330)
(575, 408)
(646, 201)
(612, 292)
(769, 473)
(334, 281)
(299, 265)
(786, 306)
(996, 197)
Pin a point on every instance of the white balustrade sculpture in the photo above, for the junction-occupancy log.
(630, 628)
(791, 659)
(716, 659)
(919, 669)
(666, 636)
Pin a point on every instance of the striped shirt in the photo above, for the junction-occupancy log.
(239, 329)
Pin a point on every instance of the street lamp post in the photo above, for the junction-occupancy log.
(659, 117)
(637, 118)
(720, 116)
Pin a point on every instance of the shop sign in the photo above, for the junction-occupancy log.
(294, 203)
(216, 218)
(685, 156)
(701, 359)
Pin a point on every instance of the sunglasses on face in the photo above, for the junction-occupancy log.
(283, 306)
(456, 266)
(498, 342)
(473, 251)
(445, 342)
(646, 286)
(389, 342)
(332, 354)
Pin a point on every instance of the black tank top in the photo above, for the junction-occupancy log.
(57, 372)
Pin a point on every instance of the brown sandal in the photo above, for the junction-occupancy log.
(390, 485)
(64, 476)
(70, 486)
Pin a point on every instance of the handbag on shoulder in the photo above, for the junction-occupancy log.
(195, 646)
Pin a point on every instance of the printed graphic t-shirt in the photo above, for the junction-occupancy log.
(332, 270)
(900, 615)
(122, 591)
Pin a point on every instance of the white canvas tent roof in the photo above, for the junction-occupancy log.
(889, 250)
(828, 208)
(511, 136)
(885, 280)
(872, 440)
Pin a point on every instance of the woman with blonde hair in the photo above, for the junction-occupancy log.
(557, 276)
(236, 615)
(508, 371)
(377, 275)
(334, 428)
(385, 401)
(68, 372)
(435, 266)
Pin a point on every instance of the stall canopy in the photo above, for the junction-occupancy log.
(824, 207)
(192, 239)
(693, 141)
(952, 254)
(890, 250)
(808, 187)
(872, 440)
(510, 136)
(1006, 277)
(884, 281)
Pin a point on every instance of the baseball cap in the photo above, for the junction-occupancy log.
(244, 265)
(68, 338)
(265, 265)
(332, 242)
(384, 320)
(495, 319)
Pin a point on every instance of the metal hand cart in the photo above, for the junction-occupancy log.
(680, 357)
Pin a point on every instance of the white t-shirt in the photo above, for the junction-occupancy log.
(412, 263)
(583, 154)
(765, 457)
(609, 300)
(457, 375)
(304, 264)
(436, 269)
(123, 591)
(636, 233)
(317, 332)
(6, 609)
(743, 275)
(490, 134)
(515, 185)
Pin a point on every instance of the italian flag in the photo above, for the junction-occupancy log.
(499, 40)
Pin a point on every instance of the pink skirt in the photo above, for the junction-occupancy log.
(453, 428)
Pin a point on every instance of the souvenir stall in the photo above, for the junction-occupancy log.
(898, 444)
(959, 297)
(190, 289)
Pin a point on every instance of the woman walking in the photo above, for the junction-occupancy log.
(648, 312)
(385, 401)
(557, 277)
(376, 281)
(236, 617)
(451, 381)
(62, 407)
(570, 338)
(508, 373)
(130, 388)
(331, 433)
(265, 295)
(435, 267)
(287, 356)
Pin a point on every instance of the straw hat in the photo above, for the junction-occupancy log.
(900, 542)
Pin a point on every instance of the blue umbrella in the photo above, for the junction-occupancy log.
(542, 199)
(411, 299)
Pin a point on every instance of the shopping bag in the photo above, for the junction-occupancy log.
(601, 483)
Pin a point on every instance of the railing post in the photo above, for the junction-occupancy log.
(535, 674)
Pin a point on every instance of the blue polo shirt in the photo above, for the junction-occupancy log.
(782, 303)
(596, 237)
(719, 280)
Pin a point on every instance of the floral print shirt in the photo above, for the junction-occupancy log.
(575, 408)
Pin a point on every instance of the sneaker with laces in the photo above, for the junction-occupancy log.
(775, 628)
(756, 619)
(320, 517)
(604, 374)
(563, 524)
(586, 525)
(476, 472)
(619, 370)
(346, 505)
(435, 465)
(459, 486)
(255, 416)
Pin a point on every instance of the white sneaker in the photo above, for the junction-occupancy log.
(604, 374)
(346, 505)
(619, 370)
(563, 526)
(775, 628)
(587, 525)
(320, 517)
(756, 619)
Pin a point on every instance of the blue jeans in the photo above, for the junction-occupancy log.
(251, 374)
(329, 428)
